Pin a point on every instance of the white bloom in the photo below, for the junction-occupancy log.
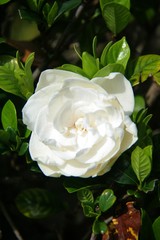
(79, 127)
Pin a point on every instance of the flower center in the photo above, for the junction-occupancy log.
(81, 125)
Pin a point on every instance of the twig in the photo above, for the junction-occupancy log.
(9, 220)
(93, 236)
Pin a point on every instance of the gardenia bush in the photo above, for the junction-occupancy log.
(79, 126)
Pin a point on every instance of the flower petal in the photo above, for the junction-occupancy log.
(119, 86)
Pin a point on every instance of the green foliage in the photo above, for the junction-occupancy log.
(9, 116)
(114, 58)
(106, 200)
(116, 14)
(99, 227)
(146, 228)
(156, 227)
(4, 1)
(144, 67)
(16, 78)
(141, 162)
(36, 203)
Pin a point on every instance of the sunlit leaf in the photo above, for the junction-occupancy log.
(89, 64)
(103, 58)
(144, 67)
(9, 116)
(141, 163)
(119, 52)
(113, 67)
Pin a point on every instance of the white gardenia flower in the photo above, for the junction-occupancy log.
(79, 126)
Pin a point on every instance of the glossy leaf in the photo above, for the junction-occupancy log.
(144, 67)
(119, 52)
(106, 200)
(35, 203)
(116, 17)
(156, 228)
(9, 116)
(89, 64)
(141, 163)
(113, 67)
(99, 227)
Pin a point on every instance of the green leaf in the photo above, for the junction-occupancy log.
(4, 1)
(89, 64)
(35, 5)
(68, 6)
(141, 163)
(116, 17)
(88, 210)
(119, 52)
(94, 47)
(156, 228)
(73, 68)
(139, 105)
(125, 3)
(127, 177)
(85, 196)
(4, 137)
(149, 186)
(29, 76)
(52, 14)
(8, 80)
(104, 53)
(9, 116)
(105, 71)
(99, 227)
(146, 227)
(144, 67)
(106, 200)
(36, 203)
(23, 148)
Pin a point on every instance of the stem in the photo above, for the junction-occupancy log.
(9, 220)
